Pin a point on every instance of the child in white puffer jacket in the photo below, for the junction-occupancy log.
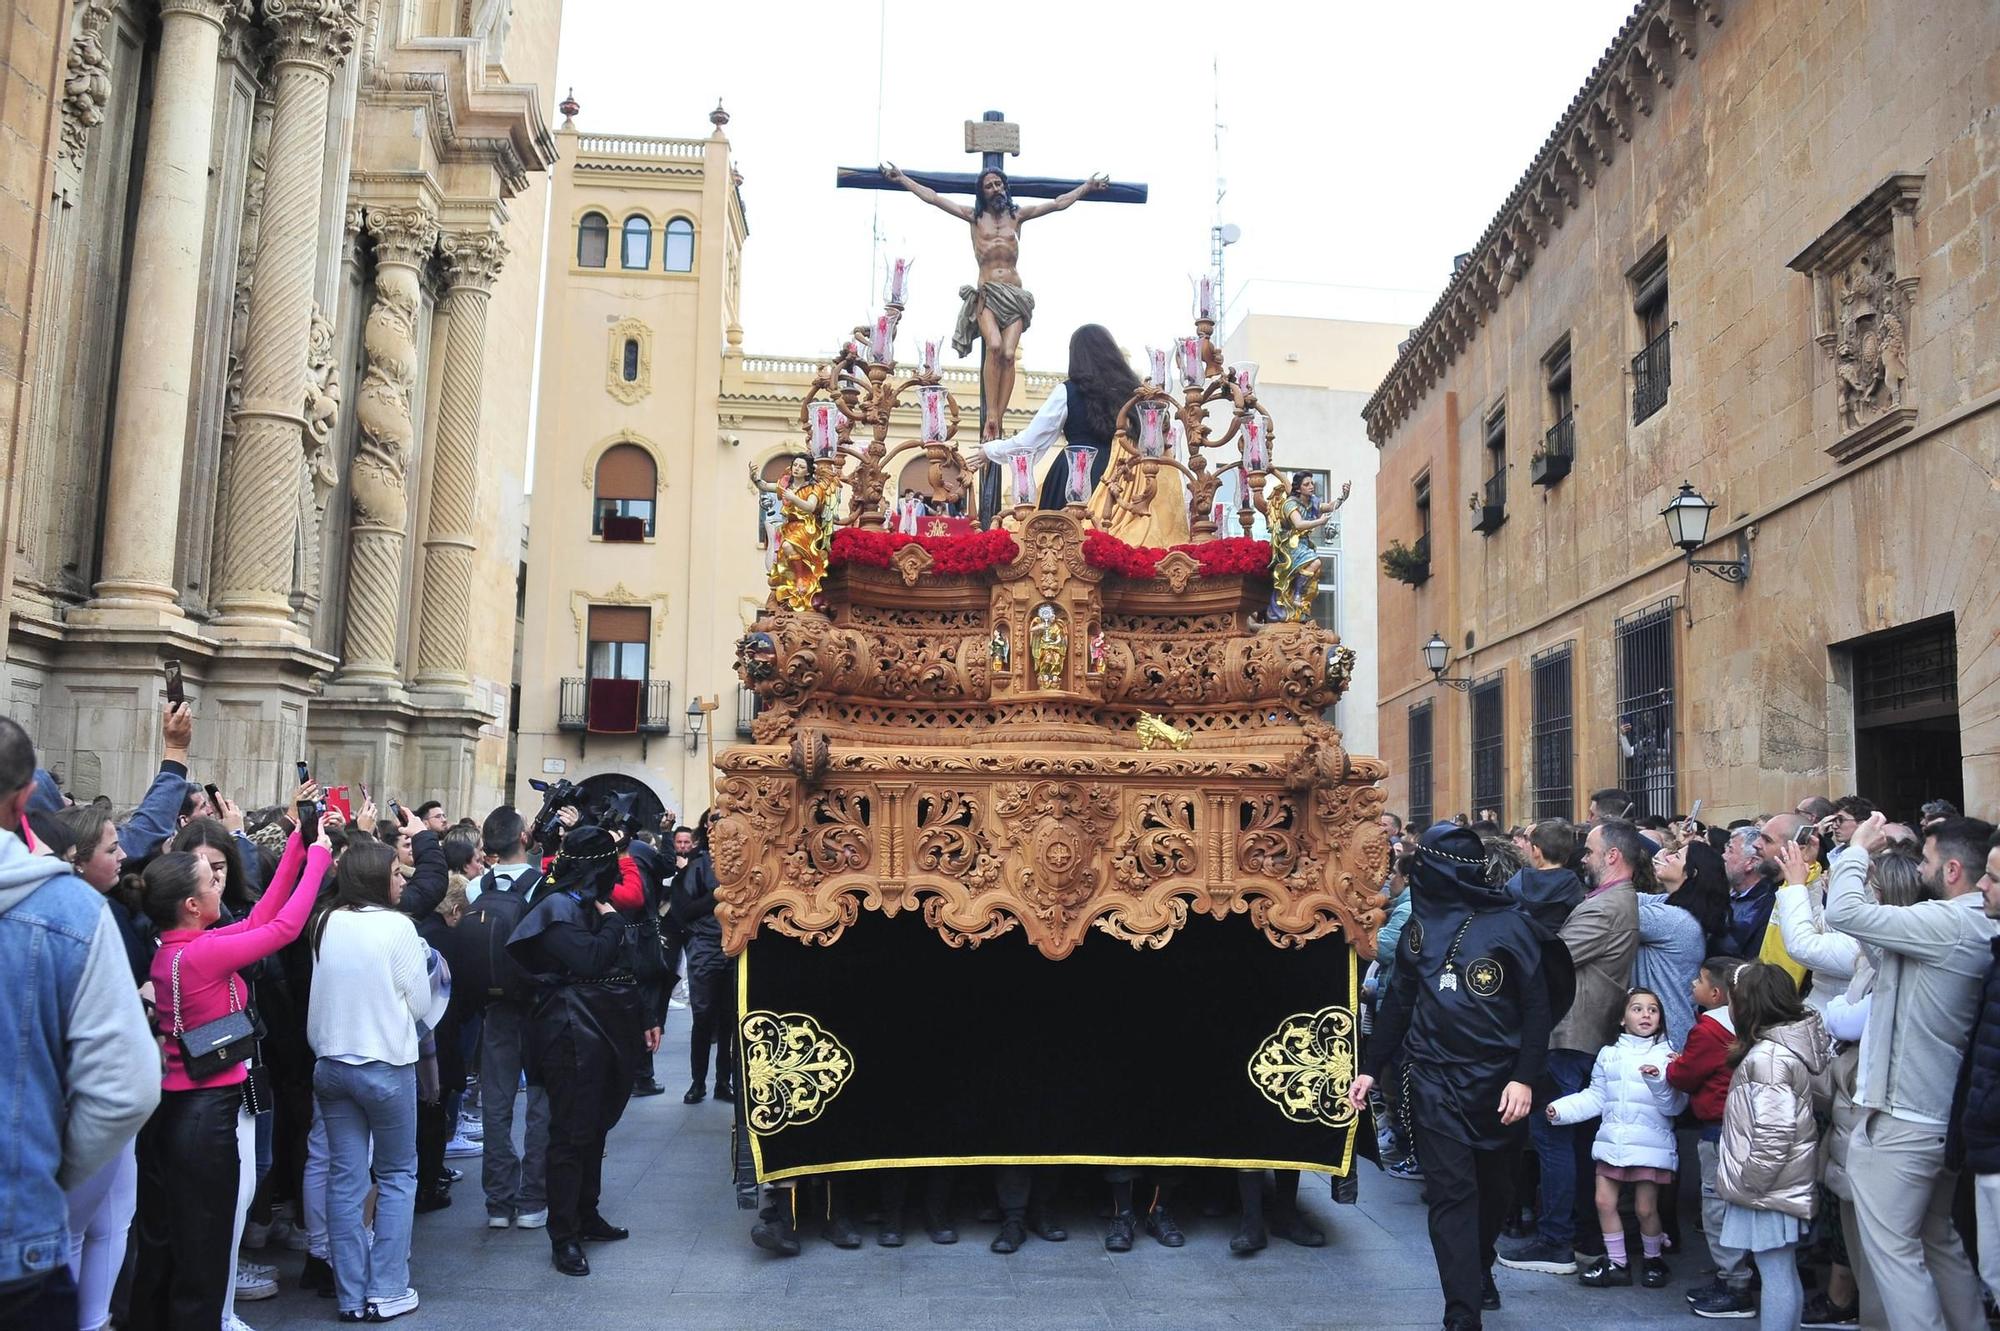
(1629, 1095)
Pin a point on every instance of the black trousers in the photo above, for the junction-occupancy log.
(1467, 1191)
(712, 1003)
(588, 1086)
(187, 1211)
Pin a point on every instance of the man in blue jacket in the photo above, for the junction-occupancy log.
(83, 1072)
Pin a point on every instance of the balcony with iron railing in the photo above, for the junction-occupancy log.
(1490, 504)
(590, 705)
(1651, 377)
(1558, 451)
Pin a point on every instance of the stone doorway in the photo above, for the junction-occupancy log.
(600, 791)
(1906, 730)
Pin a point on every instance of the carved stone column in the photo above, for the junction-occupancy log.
(404, 239)
(156, 357)
(472, 260)
(309, 39)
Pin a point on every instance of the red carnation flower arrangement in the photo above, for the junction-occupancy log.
(974, 552)
(1219, 558)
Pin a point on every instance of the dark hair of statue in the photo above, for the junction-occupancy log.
(979, 194)
(1100, 382)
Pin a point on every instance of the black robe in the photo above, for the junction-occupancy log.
(583, 964)
(1461, 1040)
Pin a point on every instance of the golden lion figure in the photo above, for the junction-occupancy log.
(1153, 730)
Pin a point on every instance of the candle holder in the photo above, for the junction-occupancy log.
(1152, 430)
(1022, 472)
(1077, 493)
(896, 290)
(1204, 296)
(929, 352)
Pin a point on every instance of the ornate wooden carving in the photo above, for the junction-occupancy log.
(904, 761)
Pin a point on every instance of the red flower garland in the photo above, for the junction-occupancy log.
(972, 553)
(1218, 558)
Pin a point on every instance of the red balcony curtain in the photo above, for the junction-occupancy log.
(614, 706)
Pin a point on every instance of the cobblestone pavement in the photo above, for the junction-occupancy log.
(690, 1264)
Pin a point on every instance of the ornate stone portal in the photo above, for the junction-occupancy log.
(911, 757)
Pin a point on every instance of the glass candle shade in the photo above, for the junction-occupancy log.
(1189, 349)
(931, 408)
(1256, 455)
(1079, 476)
(1204, 296)
(927, 356)
(823, 418)
(1156, 366)
(882, 340)
(897, 290)
(1246, 376)
(1152, 430)
(1022, 469)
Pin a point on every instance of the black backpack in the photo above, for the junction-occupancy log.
(481, 967)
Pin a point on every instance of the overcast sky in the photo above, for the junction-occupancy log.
(1363, 145)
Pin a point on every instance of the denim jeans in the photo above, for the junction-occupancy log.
(514, 1184)
(364, 1105)
(1555, 1147)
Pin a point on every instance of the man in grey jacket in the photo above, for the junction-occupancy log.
(1602, 935)
(84, 1073)
(1934, 960)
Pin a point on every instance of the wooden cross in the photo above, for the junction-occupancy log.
(995, 138)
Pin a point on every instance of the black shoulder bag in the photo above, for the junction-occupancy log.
(214, 1046)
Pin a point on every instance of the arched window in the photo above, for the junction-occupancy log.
(593, 240)
(680, 246)
(628, 365)
(638, 236)
(626, 486)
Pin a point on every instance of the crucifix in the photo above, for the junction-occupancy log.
(998, 309)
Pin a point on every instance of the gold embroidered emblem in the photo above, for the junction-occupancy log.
(1306, 1066)
(1484, 977)
(793, 1069)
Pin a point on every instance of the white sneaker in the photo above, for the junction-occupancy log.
(255, 1268)
(533, 1219)
(235, 1323)
(459, 1146)
(251, 1286)
(381, 1310)
(498, 1221)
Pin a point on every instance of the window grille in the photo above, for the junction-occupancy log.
(1420, 766)
(1489, 744)
(1550, 683)
(1645, 722)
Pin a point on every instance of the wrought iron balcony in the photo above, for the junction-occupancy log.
(596, 706)
(1557, 454)
(1650, 378)
(1490, 504)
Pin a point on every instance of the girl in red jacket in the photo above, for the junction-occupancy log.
(1702, 1072)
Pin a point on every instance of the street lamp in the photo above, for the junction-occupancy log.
(697, 717)
(1437, 654)
(1687, 515)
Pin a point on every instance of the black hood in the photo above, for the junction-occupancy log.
(1548, 894)
(1451, 873)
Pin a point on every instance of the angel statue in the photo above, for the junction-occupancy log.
(804, 534)
(1295, 560)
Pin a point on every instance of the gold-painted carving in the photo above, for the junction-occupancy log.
(1152, 730)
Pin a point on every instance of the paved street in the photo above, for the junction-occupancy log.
(690, 1264)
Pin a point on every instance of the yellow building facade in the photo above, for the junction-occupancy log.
(644, 561)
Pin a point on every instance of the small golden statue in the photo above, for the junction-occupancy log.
(1152, 730)
(1295, 561)
(805, 532)
(1050, 646)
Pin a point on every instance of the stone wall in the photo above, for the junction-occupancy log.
(1785, 116)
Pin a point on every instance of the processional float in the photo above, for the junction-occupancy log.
(1044, 851)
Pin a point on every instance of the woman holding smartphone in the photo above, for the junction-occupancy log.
(189, 1149)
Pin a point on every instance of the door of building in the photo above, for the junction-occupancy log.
(1906, 731)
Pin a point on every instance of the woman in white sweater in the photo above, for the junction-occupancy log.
(370, 988)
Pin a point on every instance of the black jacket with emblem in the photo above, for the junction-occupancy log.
(1479, 985)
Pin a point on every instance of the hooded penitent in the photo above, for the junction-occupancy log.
(1476, 978)
(582, 958)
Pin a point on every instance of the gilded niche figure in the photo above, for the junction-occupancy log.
(1050, 646)
(1000, 649)
(997, 311)
(1295, 561)
(805, 532)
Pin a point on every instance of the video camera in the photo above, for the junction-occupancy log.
(556, 795)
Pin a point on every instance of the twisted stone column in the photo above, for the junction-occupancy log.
(309, 39)
(156, 354)
(472, 262)
(404, 239)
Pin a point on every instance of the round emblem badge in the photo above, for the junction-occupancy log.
(1414, 933)
(1484, 977)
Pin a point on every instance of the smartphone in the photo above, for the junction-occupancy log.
(214, 799)
(395, 814)
(1806, 832)
(1694, 814)
(305, 773)
(176, 695)
(366, 798)
(336, 799)
(308, 820)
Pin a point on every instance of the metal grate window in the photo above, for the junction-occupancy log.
(1552, 733)
(1420, 766)
(1646, 707)
(1650, 378)
(1907, 677)
(1489, 745)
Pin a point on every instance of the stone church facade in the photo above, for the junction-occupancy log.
(268, 328)
(1758, 255)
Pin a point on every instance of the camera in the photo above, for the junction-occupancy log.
(555, 796)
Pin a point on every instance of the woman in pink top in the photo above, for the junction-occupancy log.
(188, 1150)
